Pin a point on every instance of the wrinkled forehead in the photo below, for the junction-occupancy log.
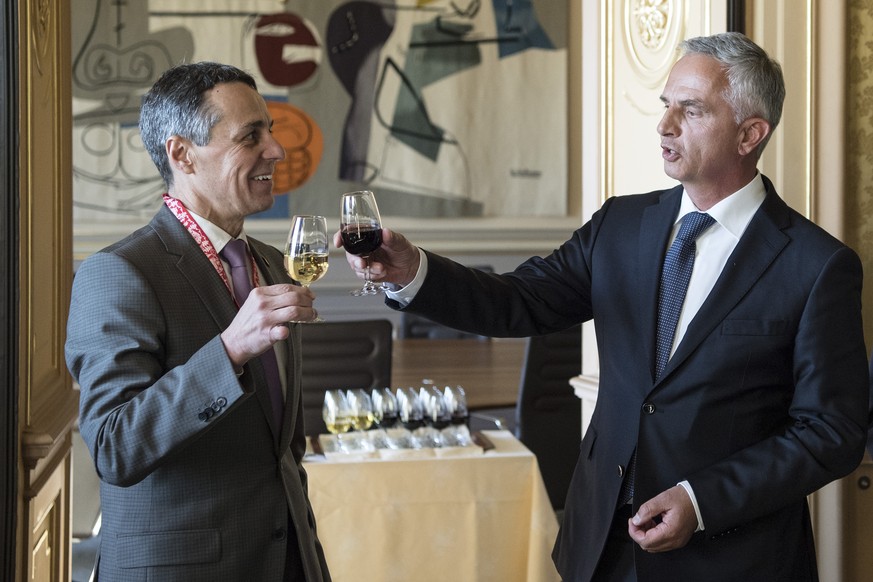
(699, 75)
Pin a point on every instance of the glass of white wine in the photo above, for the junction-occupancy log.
(306, 251)
(361, 406)
(337, 415)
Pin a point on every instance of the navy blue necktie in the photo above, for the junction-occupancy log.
(675, 275)
(236, 254)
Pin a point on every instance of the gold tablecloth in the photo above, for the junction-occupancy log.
(453, 519)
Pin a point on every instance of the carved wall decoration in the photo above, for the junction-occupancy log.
(41, 32)
(652, 28)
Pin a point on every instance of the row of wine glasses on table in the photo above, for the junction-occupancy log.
(307, 247)
(408, 418)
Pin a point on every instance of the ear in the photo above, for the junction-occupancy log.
(180, 154)
(752, 132)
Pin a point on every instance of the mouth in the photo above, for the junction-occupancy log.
(263, 178)
(669, 154)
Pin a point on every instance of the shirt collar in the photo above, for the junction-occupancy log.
(218, 237)
(734, 212)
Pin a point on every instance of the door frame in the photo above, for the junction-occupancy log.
(9, 238)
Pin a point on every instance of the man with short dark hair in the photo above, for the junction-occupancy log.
(178, 336)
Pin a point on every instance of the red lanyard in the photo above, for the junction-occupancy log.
(180, 212)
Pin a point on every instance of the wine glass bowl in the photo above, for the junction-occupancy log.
(306, 250)
(337, 415)
(361, 232)
(362, 409)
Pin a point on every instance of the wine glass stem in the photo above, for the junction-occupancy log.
(369, 288)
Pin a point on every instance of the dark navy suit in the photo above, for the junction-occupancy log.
(763, 402)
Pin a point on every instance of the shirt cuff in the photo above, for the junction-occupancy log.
(405, 295)
(687, 486)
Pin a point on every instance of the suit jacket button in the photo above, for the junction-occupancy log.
(222, 401)
(649, 408)
(620, 471)
(279, 534)
(202, 416)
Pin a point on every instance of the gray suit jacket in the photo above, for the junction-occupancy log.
(195, 482)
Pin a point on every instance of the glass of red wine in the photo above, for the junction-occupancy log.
(361, 231)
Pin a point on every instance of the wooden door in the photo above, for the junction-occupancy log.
(47, 402)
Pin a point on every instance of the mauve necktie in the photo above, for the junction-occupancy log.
(236, 254)
(675, 275)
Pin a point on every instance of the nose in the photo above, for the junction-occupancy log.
(666, 126)
(274, 150)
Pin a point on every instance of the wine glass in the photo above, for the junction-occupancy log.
(337, 415)
(384, 415)
(306, 251)
(361, 231)
(384, 407)
(440, 416)
(457, 401)
(361, 407)
(410, 413)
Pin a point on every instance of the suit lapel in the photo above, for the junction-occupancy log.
(759, 246)
(193, 266)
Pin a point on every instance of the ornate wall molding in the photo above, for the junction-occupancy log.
(47, 404)
(652, 29)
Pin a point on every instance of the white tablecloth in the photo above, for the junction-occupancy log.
(452, 519)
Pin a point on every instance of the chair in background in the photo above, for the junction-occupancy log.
(416, 326)
(548, 414)
(343, 354)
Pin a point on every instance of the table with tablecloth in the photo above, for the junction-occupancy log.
(477, 517)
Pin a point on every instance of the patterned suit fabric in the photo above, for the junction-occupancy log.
(185, 498)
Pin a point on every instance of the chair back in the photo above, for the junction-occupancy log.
(548, 413)
(346, 355)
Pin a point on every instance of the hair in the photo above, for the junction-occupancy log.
(177, 105)
(756, 87)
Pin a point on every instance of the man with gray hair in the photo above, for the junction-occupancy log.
(733, 372)
(178, 336)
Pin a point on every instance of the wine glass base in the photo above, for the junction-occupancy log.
(366, 290)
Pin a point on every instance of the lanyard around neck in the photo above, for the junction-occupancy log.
(184, 216)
